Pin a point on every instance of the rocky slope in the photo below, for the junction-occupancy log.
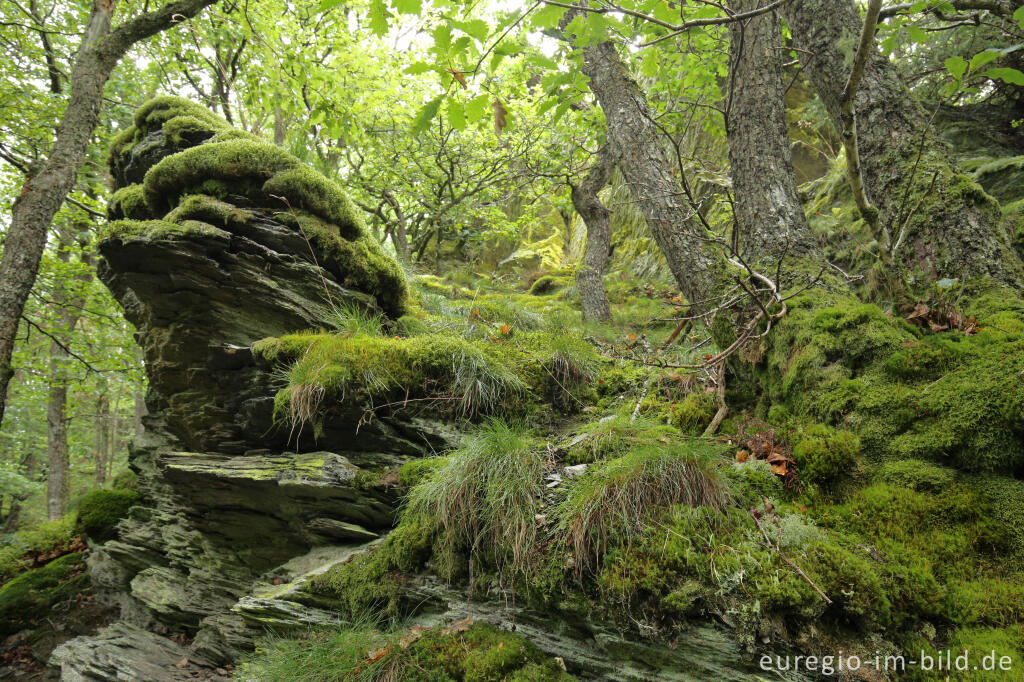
(218, 241)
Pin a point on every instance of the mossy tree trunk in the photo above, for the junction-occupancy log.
(932, 218)
(770, 220)
(597, 218)
(46, 187)
(649, 169)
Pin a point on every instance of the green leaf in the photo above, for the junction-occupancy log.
(1018, 16)
(983, 58)
(442, 38)
(378, 17)
(419, 67)
(546, 105)
(916, 33)
(327, 5)
(456, 115)
(649, 64)
(665, 12)
(426, 115)
(477, 28)
(408, 6)
(956, 66)
(1007, 75)
(476, 108)
(548, 16)
(542, 61)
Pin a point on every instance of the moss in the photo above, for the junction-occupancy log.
(128, 202)
(948, 397)
(371, 584)
(207, 209)
(306, 189)
(357, 262)
(101, 509)
(826, 456)
(918, 475)
(157, 112)
(694, 412)
(408, 325)
(158, 230)
(472, 652)
(43, 538)
(983, 649)
(415, 470)
(33, 594)
(548, 284)
(125, 480)
(752, 481)
(244, 164)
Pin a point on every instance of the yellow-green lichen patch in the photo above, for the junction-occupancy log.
(159, 230)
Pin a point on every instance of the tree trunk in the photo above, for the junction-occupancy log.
(649, 170)
(69, 299)
(44, 192)
(769, 218)
(932, 217)
(597, 218)
(102, 428)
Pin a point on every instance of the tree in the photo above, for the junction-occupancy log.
(599, 236)
(931, 218)
(47, 186)
(766, 206)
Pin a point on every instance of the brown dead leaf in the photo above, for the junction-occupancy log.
(499, 116)
(183, 663)
(742, 455)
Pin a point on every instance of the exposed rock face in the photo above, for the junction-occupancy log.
(220, 240)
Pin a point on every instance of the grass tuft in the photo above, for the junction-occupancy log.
(618, 497)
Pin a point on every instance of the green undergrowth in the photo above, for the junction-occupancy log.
(46, 537)
(480, 515)
(947, 397)
(904, 510)
(447, 373)
(27, 598)
(476, 652)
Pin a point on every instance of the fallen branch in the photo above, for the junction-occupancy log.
(775, 548)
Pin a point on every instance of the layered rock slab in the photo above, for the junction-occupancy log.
(217, 240)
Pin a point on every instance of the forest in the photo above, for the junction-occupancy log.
(477, 340)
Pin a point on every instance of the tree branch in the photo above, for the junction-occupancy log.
(848, 117)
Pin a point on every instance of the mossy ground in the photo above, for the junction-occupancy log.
(906, 443)
(26, 599)
(465, 652)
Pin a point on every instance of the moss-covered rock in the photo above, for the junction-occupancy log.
(29, 597)
(101, 509)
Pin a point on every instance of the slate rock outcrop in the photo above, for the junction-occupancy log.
(217, 240)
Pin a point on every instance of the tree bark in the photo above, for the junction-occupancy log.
(102, 429)
(769, 217)
(597, 218)
(938, 222)
(650, 172)
(44, 192)
(69, 299)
